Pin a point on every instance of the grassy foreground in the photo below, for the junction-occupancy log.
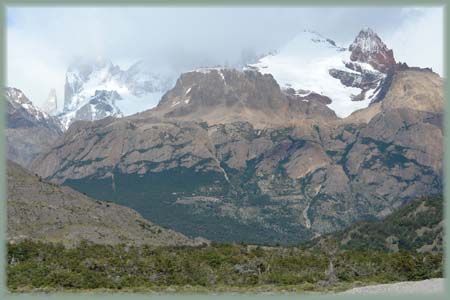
(36, 266)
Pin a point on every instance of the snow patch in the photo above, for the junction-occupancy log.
(175, 103)
(207, 70)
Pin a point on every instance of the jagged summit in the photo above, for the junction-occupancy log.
(368, 41)
(369, 48)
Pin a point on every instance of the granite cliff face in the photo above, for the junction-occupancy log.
(29, 131)
(230, 156)
(40, 210)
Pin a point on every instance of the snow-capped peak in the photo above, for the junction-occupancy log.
(368, 41)
(19, 104)
(351, 79)
(18, 100)
(138, 88)
(84, 77)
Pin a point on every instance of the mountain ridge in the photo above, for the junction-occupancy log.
(288, 182)
(41, 211)
(29, 131)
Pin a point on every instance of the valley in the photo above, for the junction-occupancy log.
(316, 168)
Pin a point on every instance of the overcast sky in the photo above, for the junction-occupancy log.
(41, 42)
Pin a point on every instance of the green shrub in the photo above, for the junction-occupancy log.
(91, 266)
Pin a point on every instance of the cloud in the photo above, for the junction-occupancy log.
(419, 40)
(42, 41)
(33, 66)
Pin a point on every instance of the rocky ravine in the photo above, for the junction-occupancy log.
(229, 156)
(41, 210)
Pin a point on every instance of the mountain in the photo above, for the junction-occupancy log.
(351, 77)
(416, 226)
(369, 48)
(51, 104)
(29, 131)
(40, 210)
(101, 105)
(218, 96)
(134, 90)
(232, 156)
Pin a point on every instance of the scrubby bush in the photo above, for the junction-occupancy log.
(91, 266)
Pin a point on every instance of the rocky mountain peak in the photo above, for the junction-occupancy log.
(50, 105)
(218, 95)
(216, 86)
(369, 48)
